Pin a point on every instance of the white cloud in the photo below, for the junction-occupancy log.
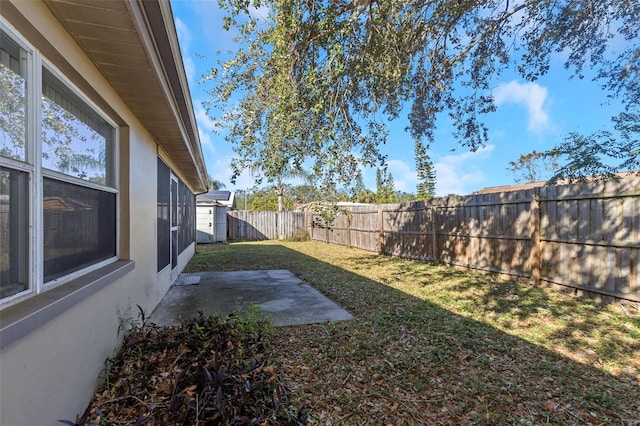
(184, 35)
(189, 69)
(530, 95)
(456, 174)
(202, 118)
(220, 169)
(206, 142)
(404, 177)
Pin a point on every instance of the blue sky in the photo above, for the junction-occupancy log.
(529, 116)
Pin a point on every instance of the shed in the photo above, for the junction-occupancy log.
(211, 215)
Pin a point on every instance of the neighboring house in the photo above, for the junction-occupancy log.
(99, 163)
(211, 215)
(507, 188)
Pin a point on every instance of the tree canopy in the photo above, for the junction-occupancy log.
(315, 81)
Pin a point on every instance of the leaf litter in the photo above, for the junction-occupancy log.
(208, 370)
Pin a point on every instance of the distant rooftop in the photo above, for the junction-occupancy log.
(221, 198)
(215, 196)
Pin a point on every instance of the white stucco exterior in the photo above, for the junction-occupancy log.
(49, 372)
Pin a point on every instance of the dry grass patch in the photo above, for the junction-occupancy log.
(432, 345)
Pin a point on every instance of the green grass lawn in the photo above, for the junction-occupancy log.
(432, 345)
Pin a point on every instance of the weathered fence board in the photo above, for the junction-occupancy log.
(585, 236)
(264, 225)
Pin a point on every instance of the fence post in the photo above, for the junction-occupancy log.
(380, 230)
(434, 234)
(348, 228)
(535, 239)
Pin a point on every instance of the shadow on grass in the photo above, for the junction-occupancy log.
(407, 360)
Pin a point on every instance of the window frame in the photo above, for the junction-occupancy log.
(32, 165)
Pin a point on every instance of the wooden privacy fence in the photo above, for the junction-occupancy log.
(585, 236)
(264, 225)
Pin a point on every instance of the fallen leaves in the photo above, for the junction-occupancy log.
(209, 370)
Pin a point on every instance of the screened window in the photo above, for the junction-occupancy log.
(187, 216)
(164, 225)
(13, 232)
(79, 227)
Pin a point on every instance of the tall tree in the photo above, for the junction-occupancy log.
(534, 166)
(426, 173)
(385, 187)
(215, 185)
(317, 80)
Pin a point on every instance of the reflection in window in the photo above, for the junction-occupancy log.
(75, 140)
(13, 232)
(79, 227)
(13, 73)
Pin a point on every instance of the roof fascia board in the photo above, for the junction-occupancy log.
(143, 24)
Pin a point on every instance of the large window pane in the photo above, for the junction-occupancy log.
(13, 232)
(75, 140)
(79, 227)
(13, 88)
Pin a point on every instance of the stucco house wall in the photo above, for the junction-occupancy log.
(54, 341)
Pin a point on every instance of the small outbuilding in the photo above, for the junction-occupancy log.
(211, 215)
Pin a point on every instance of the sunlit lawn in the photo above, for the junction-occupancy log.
(432, 345)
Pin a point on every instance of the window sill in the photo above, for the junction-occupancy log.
(22, 318)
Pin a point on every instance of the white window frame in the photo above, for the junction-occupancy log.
(36, 174)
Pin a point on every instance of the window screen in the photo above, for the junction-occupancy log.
(79, 227)
(13, 232)
(164, 228)
(187, 216)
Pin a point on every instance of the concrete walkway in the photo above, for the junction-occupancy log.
(278, 294)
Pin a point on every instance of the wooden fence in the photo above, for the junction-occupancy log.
(264, 225)
(585, 236)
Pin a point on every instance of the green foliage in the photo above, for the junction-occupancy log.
(601, 153)
(267, 199)
(534, 166)
(385, 187)
(215, 185)
(317, 81)
(426, 174)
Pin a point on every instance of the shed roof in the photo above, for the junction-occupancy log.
(223, 198)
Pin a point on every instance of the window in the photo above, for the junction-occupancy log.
(187, 216)
(176, 217)
(13, 232)
(75, 140)
(164, 226)
(58, 189)
(79, 227)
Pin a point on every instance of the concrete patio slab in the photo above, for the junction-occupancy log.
(277, 293)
